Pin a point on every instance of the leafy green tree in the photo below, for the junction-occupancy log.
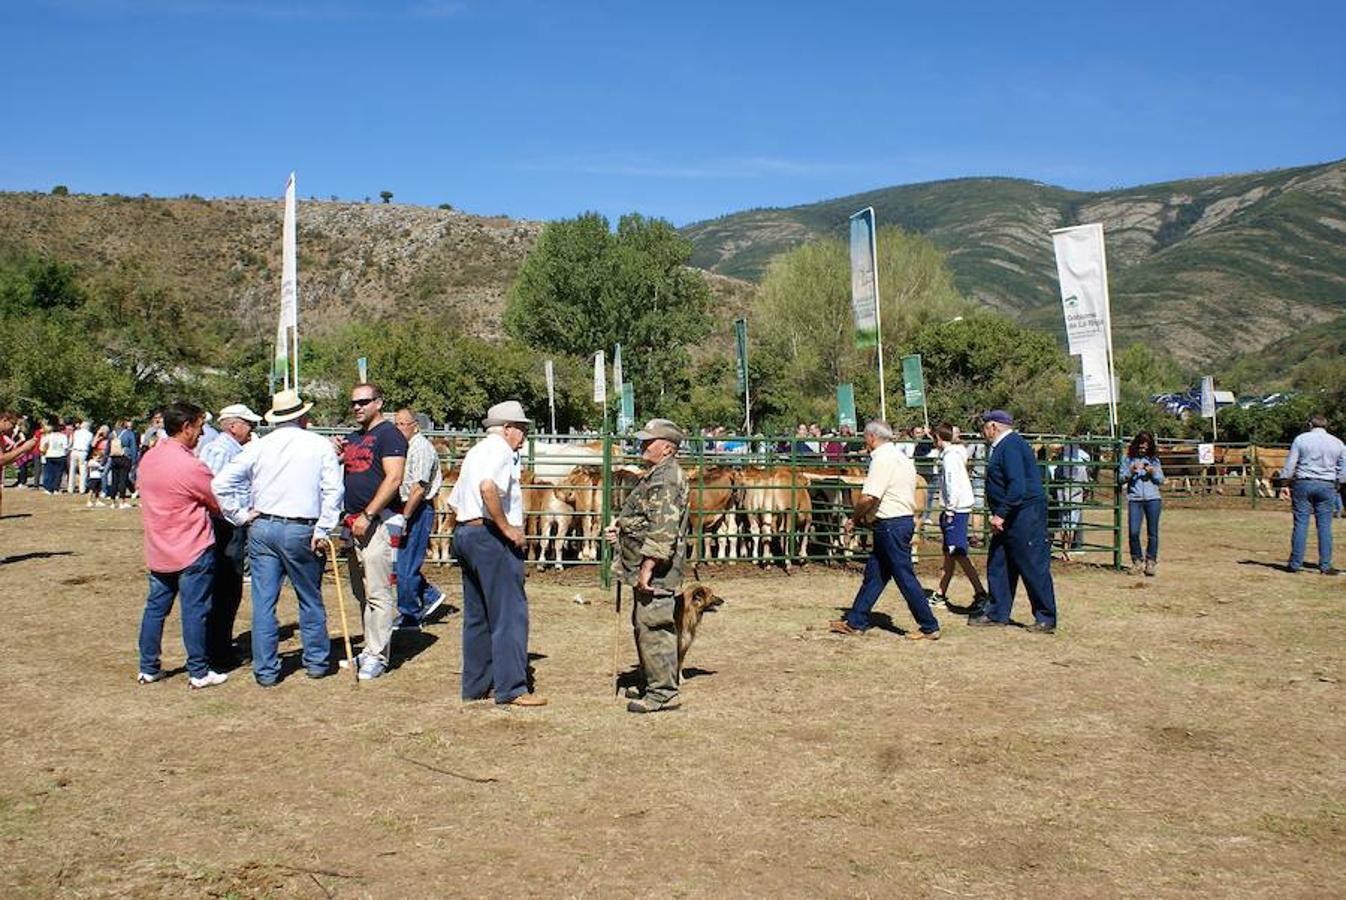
(585, 288)
(803, 313)
(386, 196)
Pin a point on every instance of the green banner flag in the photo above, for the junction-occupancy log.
(626, 416)
(913, 380)
(846, 405)
(741, 347)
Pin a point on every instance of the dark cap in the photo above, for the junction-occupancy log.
(997, 415)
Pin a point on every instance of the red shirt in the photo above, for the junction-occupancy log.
(176, 503)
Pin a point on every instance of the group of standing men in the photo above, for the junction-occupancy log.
(274, 505)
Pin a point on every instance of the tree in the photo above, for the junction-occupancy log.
(803, 315)
(60, 191)
(387, 196)
(584, 288)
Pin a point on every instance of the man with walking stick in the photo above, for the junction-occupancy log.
(287, 488)
(650, 535)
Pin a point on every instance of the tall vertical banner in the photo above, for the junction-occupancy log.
(913, 381)
(1208, 404)
(362, 369)
(286, 362)
(741, 351)
(617, 379)
(865, 292)
(626, 413)
(550, 369)
(1081, 266)
(600, 379)
(846, 405)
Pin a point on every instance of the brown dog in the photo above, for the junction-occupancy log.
(692, 603)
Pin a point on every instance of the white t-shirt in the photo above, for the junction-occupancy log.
(493, 459)
(83, 440)
(891, 479)
(55, 444)
(955, 487)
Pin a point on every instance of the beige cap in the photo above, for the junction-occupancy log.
(661, 428)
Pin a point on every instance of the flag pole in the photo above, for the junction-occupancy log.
(1112, 377)
(878, 317)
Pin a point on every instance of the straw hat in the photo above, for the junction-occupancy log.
(286, 406)
(509, 412)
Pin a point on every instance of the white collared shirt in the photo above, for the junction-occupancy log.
(291, 472)
(491, 459)
(891, 480)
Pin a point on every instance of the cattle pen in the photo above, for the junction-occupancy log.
(773, 501)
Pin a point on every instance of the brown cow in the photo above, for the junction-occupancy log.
(1270, 462)
(777, 506)
(713, 510)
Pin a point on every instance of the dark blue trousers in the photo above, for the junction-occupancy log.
(1022, 551)
(495, 614)
(891, 558)
(412, 587)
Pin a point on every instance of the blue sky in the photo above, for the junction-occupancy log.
(682, 110)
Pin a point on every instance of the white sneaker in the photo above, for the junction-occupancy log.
(123, 505)
(371, 667)
(147, 678)
(99, 503)
(210, 679)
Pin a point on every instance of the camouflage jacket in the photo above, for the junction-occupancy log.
(653, 523)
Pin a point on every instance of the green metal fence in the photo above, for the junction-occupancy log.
(777, 501)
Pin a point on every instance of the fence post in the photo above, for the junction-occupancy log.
(1252, 474)
(1116, 509)
(604, 548)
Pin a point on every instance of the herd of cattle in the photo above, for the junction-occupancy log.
(767, 513)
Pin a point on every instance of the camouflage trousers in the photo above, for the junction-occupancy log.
(652, 618)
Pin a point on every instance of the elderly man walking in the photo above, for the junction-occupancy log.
(1020, 546)
(374, 458)
(488, 542)
(176, 501)
(1314, 468)
(889, 497)
(417, 599)
(80, 442)
(651, 536)
(286, 487)
(231, 541)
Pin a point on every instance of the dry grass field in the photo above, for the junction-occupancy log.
(1179, 735)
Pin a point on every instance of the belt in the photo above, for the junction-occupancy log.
(469, 523)
(1328, 480)
(298, 520)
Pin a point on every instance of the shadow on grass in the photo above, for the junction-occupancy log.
(36, 554)
(1277, 567)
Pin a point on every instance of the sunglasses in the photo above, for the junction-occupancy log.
(363, 401)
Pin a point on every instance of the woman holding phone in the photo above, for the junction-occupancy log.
(1141, 474)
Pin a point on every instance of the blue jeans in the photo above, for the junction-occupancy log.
(52, 470)
(495, 614)
(412, 588)
(279, 550)
(891, 558)
(193, 584)
(1022, 551)
(1149, 509)
(1315, 498)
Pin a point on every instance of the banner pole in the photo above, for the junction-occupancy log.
(878, 317)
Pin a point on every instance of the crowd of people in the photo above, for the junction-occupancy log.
(220, 504)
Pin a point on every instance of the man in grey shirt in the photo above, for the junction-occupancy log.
(1316, 464)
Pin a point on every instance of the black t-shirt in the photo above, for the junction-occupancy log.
(363, 459)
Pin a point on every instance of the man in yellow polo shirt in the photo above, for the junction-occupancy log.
(889, 497)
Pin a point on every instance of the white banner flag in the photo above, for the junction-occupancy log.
(1094, 378)
(289, 282)
(600, 379)
(1205, 454)
(551, 382)
(1081, 266)
(864, 279)
(1208, 397)
(617, 380)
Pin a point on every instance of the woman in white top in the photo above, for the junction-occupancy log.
(55, 444)
(955, 491)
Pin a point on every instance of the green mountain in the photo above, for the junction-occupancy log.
(1204, 269)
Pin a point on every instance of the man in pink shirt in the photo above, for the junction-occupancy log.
(176, 503)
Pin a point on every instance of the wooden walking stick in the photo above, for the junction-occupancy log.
(341, 607)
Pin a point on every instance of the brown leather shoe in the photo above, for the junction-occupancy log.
(527, 700)
(922, 636)
(841, 626)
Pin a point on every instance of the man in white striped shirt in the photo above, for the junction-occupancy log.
(955, 491)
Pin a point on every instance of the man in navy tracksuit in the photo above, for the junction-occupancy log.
(1019, 543)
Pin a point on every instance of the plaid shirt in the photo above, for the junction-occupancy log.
(422, 466)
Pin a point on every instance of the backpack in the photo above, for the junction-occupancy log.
(117, 448)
